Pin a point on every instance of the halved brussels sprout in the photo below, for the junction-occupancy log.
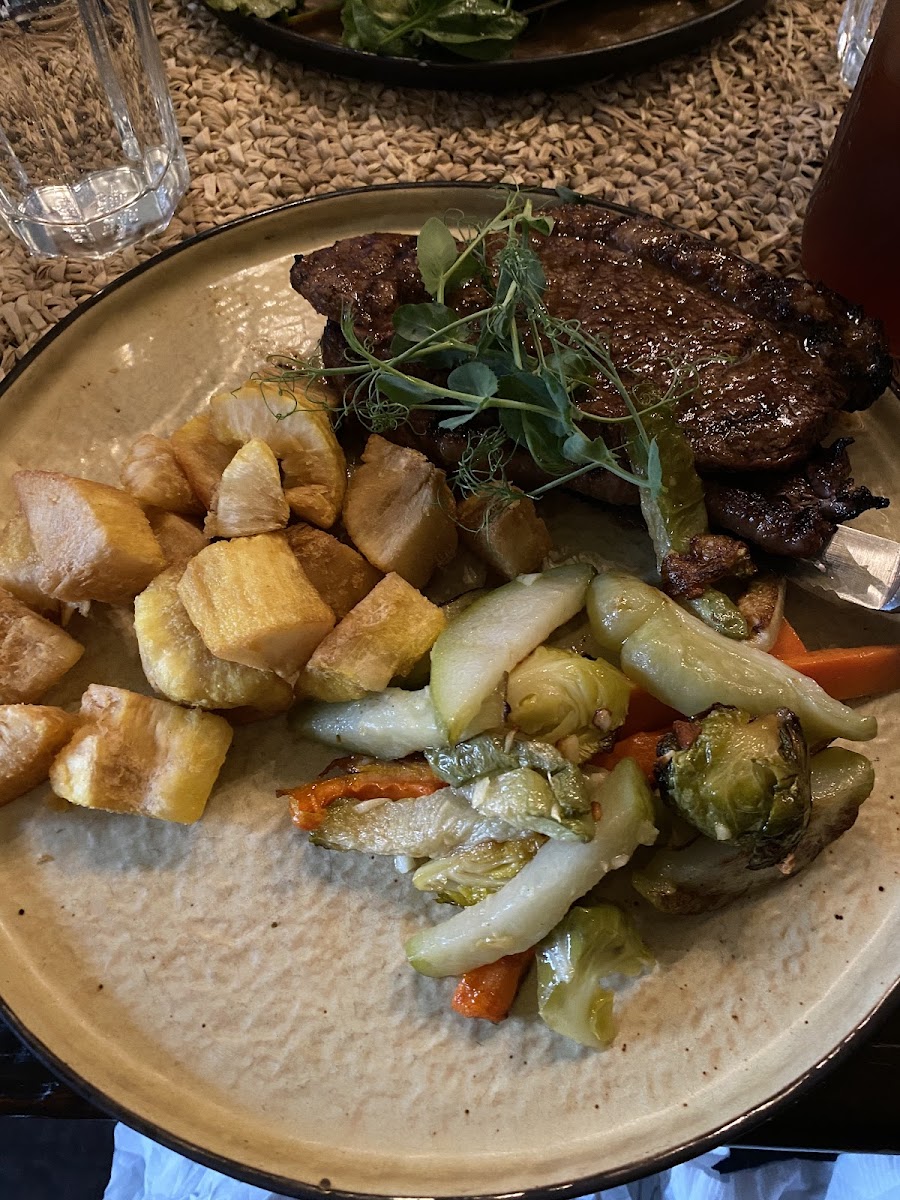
(707, 875)
(578, 966)
(555, 694)
(473, 872)
(529, 784)
(742, 779)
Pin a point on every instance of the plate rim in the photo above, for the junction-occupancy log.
(689, 1148)
(577, 67)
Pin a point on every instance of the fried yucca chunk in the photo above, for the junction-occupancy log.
(384, 635)
(20, 568)
(179, 538)
(294, 421)
(201, 456)
(180, 667)
(34, 653)
(510, 537)
(249, 498)
(94, 541)
(399, 511)
(135, 754)
(151, 473)
(339, 574)
(252, 604)
(31, 735)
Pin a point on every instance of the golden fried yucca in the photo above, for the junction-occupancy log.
(399, 511)
(252, 604)
(339, 574)
(510, 537)
(384, 635)
(31, 735)
(249, 498)
(94, 541)
(179, 666)
(34, 653)
(201, 456)
(179, 538)
(152, 474)
(294, 420)
(20, 568)
(136, 754)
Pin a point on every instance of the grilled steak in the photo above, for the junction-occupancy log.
(787, 356)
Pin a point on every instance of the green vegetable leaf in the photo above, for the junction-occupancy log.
(578, 965)
(420, 322)
(475, 379)
(436, 253)
(254, 8)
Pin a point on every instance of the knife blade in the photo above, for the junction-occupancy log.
(860, 568)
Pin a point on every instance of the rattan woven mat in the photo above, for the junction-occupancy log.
(727, 140)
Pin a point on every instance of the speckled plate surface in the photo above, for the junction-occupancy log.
(243, 996)
(567, 44)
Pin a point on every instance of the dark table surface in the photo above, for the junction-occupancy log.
(854, 1107)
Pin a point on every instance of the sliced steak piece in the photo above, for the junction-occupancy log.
(794, 513)
(794, 353)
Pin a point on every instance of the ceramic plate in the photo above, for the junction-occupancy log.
(243, 996)
(569, 44)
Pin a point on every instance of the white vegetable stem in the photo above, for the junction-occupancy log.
(388, 724)
(532, 903)
(480, 646)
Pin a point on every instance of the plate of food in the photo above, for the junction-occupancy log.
(403, 834)
(489, 45)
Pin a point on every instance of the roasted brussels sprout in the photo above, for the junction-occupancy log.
(473, 872)
(528, 784)
(707, 875)
(555, 694)
(741, 779)
(577, 965)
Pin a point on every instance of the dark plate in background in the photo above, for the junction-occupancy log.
(569, 44)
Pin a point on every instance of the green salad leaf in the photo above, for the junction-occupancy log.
(477, 29)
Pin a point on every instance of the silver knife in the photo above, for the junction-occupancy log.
(858, 567)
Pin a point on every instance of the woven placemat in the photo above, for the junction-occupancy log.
(727, 140)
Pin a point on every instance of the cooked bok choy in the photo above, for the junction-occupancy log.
(742, 779)
(706, 875)
(677, 659)
(578, 966)
(536, 900)
(475, 651)
(556, 694)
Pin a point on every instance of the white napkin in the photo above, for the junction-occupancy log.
(143, 1170)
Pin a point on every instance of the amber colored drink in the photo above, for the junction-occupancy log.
(851, 235)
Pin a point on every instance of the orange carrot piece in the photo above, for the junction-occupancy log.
(846, 673)
(646, 712)
(788, 644)
(488, 992)
(401, 782)
(639, 746)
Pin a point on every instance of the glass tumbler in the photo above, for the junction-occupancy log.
(90, 156)
(859, 20)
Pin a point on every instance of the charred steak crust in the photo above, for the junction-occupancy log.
(794, 513)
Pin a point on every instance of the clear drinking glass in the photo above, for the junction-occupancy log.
(859, 21)
(90, 156)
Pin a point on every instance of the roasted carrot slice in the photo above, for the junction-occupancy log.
(646, 712)
(639, 746)
(847, 673)
(400, 781)
(788, 643)
(488, 992)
